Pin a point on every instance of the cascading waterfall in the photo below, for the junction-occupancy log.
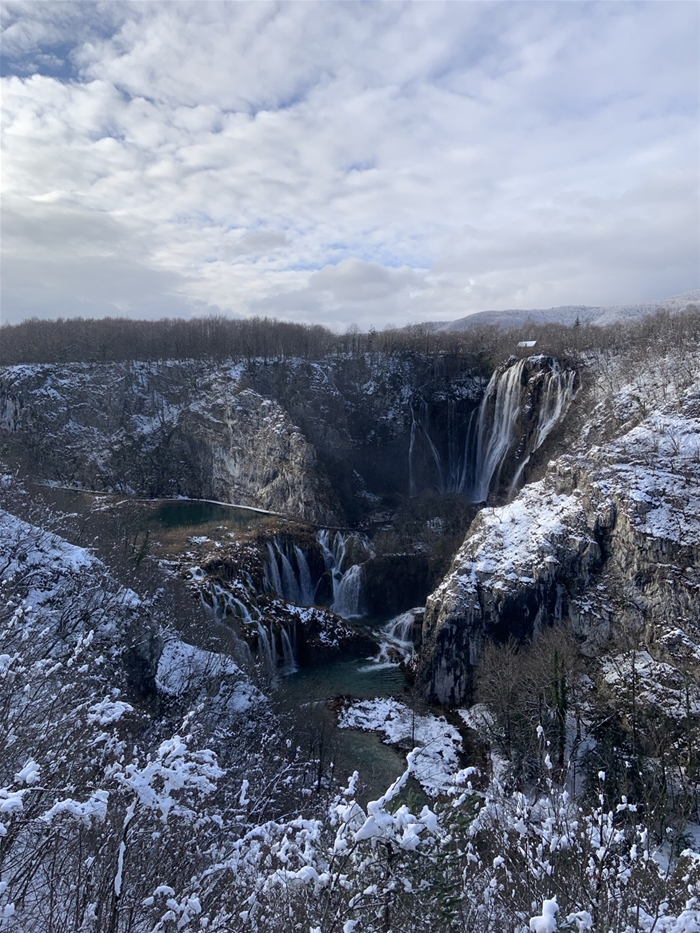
(500, 408)
(268, 652)
(558, 396)
(287, 574)
(396, 639)
(495, 428)
(223, 603)
(473, 461)
(347, 581)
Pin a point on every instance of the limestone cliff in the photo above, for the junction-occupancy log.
(164, 429)
(608, 540)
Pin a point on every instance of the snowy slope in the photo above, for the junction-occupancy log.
(568, 314)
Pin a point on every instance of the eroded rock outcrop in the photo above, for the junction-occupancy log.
(164, 429)
(609, 541)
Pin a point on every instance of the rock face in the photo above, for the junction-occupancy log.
(383, 423)
(164, 429)
(608, 541)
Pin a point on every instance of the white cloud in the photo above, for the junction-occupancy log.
(256, 243)
(372, 162)
(355, 280)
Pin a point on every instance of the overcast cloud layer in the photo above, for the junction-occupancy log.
(375, 163)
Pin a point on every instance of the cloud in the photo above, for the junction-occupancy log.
(353, 280)
(257, 242)
(60, 260)
(340, 162)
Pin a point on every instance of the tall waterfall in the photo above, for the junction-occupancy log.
(347, 580)
(466, 453)
(506, 399)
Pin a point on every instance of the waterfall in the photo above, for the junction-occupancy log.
(347, 581)
(289, 581)
(558, 396)
(411, 449)
(422, 423)
(273, 581)
(287, 575)
(268, 651)
(266, 648)
(505, 399)
(452, 472)
(495, 429)
(288, 654)
(307, 590)
(396, 640)
(347, 592)
(560, 392)
(243, 611)
(469, 453)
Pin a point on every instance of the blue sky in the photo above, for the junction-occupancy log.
(369, 163)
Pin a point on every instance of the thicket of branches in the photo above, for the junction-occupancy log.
(219, 338)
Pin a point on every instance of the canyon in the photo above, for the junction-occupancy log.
(468, 582)
(604, 540)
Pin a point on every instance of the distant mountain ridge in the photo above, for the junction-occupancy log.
(567, 314)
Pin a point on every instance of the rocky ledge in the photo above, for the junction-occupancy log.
(608, 542)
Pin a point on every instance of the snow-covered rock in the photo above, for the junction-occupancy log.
(608, 540)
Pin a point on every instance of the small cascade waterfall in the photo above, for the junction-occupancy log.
(347, 592)
(347, 580)
(396, 639)
(223, 603)
(507, 398)
(288, 653)
(287, 574)
(276, 650)
(266, 647)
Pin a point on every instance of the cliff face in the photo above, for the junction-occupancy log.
(164, 430)
(319, 440)
(608, 541)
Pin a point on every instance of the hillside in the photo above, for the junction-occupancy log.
(568, 315)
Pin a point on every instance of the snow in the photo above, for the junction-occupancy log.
(32, 547)
(108, 711)
(546, 922)
(657, 684)
(94, 808)
(437, 743)
(29, 774)
(182, 666)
